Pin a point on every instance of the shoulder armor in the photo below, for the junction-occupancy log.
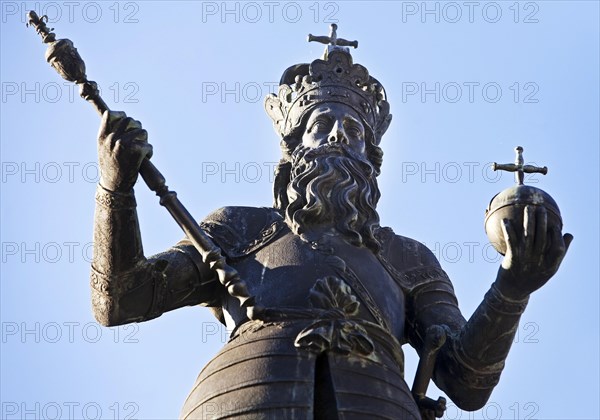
(240, 231)
(409, 262)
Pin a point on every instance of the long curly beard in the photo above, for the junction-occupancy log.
(333, 186)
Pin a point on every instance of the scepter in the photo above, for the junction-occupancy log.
(63, 56)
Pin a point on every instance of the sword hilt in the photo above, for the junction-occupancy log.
(435, 337)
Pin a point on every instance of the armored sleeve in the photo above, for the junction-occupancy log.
(468, 366)
(429, 294)
(128, 287)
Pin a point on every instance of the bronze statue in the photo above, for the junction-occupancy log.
(325, 296)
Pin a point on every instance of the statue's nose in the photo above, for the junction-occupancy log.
(337, 134)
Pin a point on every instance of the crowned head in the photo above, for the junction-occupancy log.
(330, 115)
(332, 81)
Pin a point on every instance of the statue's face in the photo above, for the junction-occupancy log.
(334, 123)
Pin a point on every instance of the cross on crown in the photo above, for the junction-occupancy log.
(333, 39)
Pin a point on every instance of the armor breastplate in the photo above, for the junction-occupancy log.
(280, 268)
(268, 368)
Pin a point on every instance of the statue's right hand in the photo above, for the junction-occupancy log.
(122, 147)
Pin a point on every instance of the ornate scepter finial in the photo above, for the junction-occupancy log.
(40, 27)
(64, 58)
(518, 167)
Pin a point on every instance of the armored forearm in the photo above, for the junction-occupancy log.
(119, 266)
(117, 240)
(127, 287)
(470, 365)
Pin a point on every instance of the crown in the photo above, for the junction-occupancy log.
(334, 78)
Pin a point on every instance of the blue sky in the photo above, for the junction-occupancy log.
(467, 82)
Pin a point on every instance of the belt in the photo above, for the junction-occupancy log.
(330, 330)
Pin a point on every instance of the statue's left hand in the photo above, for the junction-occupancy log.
(533, 256)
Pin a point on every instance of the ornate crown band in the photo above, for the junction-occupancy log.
(332, 79)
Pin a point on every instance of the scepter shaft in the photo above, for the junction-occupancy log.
(63, 56)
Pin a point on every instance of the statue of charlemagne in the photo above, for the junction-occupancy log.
(339, 293)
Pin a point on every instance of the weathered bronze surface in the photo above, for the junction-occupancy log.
(64, 58)
(514, 202)
(337, 293)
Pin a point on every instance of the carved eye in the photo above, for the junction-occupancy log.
(354, 130)
(320, 125)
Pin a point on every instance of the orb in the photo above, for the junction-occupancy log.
(510, 204)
